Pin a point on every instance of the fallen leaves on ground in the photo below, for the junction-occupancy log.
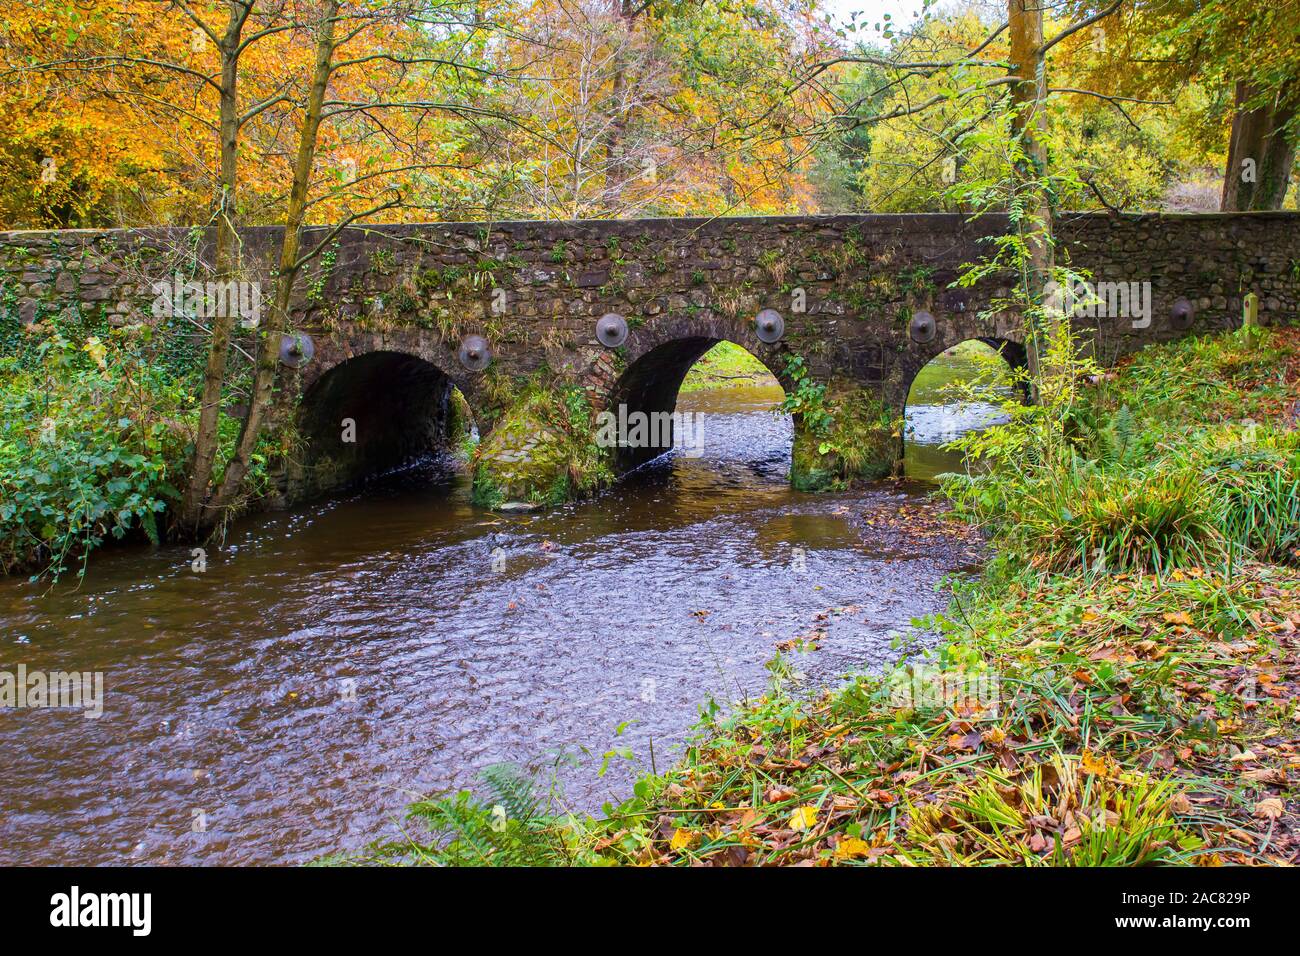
(1121, 734)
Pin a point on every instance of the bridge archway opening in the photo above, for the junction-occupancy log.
(957, 391)
(694, 376)
(374, 414)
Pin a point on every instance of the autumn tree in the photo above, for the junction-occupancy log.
(68, 159)
(659, 107)
(1247, 56)
(342, 91)
(1256, 51)
(298, 109)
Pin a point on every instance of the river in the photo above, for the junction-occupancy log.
(334, 661)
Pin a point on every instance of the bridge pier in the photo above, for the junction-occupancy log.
(851, 436)
(557, 440)
(542, 450)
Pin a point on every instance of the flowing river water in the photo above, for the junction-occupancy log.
(335, 661)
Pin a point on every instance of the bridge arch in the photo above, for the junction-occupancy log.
(370, 413)
(653, 376)
(1012, 352)
(930, 421)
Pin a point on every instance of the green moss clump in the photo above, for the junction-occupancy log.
(841, 437)
(460, 426)
(859, 442)
(543, 450)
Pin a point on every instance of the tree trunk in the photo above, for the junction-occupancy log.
(1261, 152)
(191, 518)
(268, 352)
(1029, 122)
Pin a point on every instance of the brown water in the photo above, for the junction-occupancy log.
(334, 661)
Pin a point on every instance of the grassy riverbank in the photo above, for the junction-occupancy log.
(1119, 687)
(96, 429)
(726, 365)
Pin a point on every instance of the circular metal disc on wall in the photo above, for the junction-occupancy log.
(769, 326)
(474, 353)
(611, 330)
(922, 328)
(1182, 314)
(296, 350)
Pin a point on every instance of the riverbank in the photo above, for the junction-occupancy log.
(1072, 715)
(93, 434)
(726, 365)
(97, 425)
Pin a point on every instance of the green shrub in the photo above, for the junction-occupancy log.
(90, 447)
(1150, 469)
(1088, 517)
(841, 437)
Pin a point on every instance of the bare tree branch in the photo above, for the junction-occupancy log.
(1076, 27)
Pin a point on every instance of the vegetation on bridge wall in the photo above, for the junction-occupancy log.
(842, 434)
(542, 450)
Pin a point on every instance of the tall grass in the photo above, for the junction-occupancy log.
(1256, 499)
(1150, 472)
(1082, 516)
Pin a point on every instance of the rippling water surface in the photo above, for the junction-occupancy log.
(337, 659)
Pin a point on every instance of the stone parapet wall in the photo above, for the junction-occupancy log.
(847, 288)
(535, 289)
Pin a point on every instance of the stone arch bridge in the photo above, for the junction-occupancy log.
(389, 308)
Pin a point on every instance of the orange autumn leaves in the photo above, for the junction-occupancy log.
(532, 109)
(63, 154)
(120, 100)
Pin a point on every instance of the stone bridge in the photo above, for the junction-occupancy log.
(389, 310)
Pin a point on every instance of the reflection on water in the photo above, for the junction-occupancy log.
(335, 660)
(935, 416)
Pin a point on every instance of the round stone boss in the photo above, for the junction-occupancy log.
(769, 326)
(474, 353)
(923, 327)
(1181, 314)
(296, 349)
(611, 330)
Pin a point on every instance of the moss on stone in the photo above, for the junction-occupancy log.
(859, 442)
(460, 426)
(542, 451)
(809, 470)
